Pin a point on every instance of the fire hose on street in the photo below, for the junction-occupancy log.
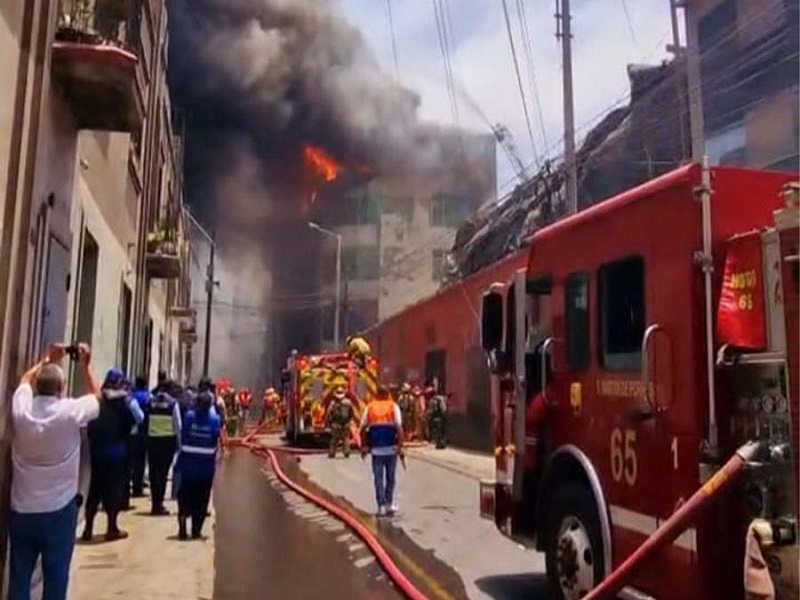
(676, 524)
(395, 574)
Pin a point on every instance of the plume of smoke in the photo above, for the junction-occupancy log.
(298, 70)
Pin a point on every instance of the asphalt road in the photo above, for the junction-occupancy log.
(271, 543)
(439, 516)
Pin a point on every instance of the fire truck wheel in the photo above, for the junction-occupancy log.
(574, 549)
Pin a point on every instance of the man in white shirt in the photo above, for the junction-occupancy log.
(45, 453)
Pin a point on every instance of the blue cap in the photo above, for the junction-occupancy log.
(114, 376)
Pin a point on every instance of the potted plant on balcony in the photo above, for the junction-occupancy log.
(163, 240)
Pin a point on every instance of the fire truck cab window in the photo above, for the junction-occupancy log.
(576, 320)
(622, 313)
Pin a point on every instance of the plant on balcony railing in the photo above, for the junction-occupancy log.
(164, 239)
(94, 21)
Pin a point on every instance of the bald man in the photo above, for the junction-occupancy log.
(45, 452)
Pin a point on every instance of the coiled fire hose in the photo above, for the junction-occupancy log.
(395, 574)
(677, 523)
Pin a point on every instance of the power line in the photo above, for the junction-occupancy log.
(394, 41)
(630, 23)
(519, 79)
(441, 33)
(531, 70)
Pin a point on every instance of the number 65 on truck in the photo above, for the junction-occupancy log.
(645, 393)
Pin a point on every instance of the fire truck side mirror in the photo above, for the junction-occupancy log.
(492, 321)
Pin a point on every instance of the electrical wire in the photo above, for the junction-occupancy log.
(519, 80)
(629, 22)
(394, 40)
(531, 69)
(443, 46)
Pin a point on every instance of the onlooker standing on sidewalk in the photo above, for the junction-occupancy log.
(382, 429)
(197, 460)
(45, 454)
(139, 438)
(163, 425)
(108, 447)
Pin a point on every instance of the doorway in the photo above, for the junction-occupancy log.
(87, 293)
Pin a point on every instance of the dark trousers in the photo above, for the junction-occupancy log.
(193, 497)
(49, 535)
(138, 456)
(107, 485)
(160, 452)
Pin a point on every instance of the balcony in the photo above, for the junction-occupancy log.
(187, 334)
(163, 256)
(94, 62)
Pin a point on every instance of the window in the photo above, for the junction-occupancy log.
(448, 210)
(361, 262)
(576, 320)
(439, 258)
(356, 208)
(622, 313)
(402, 206)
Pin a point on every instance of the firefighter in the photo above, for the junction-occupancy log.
(243, 398)
(268, 407)
(338, 419)
(437, 419)
(358, 349)
(407, 404)
(231, 412)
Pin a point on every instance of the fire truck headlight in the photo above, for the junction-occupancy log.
(768, 404)
(781, 406)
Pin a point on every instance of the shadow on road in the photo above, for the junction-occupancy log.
(528, 586)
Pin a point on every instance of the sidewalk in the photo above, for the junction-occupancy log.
(150, 564)
(470, 464)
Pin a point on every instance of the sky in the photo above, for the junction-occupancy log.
(604, 43)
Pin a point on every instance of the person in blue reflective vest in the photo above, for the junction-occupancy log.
(197, 460)
(163, 425)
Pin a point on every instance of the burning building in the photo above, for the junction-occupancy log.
(286, 109)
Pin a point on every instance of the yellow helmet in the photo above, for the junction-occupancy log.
(358, 345)
(406, 387)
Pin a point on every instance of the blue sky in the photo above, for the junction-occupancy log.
(603, 45)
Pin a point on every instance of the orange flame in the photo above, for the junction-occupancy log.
(321, 162)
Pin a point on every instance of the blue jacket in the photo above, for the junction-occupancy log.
(199, 437)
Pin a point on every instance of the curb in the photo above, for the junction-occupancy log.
(446, 466)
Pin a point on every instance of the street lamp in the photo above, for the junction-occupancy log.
(210, 283)
(337, 308)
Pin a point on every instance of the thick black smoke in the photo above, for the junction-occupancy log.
(255, 81)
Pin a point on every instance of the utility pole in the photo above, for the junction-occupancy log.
(209, 302)
(694, 92)
(679, 69)
(564, 33)
(210, 283)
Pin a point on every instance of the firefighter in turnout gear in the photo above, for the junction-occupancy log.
(407, 404)
(437, 419)
(231, 412)
(338, 419)
(358, 349)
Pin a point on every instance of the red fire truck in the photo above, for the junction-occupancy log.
(659, 330)
(307, 388)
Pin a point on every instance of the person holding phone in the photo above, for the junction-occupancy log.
(45, 453)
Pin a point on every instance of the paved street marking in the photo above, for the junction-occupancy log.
(356, 546)
(344, 537)
(363, 562)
